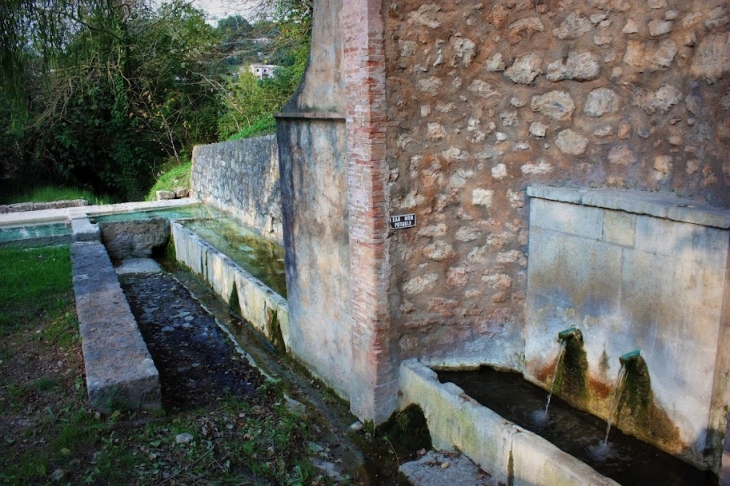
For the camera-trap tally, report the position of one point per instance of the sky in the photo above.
(219, 9)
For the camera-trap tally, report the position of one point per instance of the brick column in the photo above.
(373, 394)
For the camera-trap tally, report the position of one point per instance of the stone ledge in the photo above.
(119, 368)
(440, 469)
(502, 448)
(659, 205)
(84, 230)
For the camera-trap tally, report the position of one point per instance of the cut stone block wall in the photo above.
(486, 98)
(264, 309)
(650, 276)
(241, 178)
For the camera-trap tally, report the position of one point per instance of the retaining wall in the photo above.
(241, 178)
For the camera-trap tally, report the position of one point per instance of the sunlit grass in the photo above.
(50, 194)
(172, 176)
(35, 286)
(265, 126)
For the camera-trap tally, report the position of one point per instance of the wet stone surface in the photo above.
(197, 361)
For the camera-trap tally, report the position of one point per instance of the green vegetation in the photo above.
(49, 434)
(264, 126)
(35, 288)
(101, 94)
(171, 176)
(49, 194)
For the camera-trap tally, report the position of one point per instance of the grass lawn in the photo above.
(50, 435)
(49, 194)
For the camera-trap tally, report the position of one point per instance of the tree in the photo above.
(127, 88)
(286, 24)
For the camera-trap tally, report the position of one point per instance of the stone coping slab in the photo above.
(66, 214)
(37, 206)
(83, 230)
(119, 367)
(659, 205)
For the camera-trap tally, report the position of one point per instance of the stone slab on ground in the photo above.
(119, 368)
(445, 469)
(138, 265)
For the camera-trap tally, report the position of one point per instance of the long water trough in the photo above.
(245, 269)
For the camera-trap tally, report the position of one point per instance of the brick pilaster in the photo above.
(374, 383)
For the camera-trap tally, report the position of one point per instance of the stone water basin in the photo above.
(625, 459)
(510, 452)
(262, 258)
(181, 212)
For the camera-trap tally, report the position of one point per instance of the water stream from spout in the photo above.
(615, 398)
(540, 417)
(563, 343)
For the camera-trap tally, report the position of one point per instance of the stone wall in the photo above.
(485, 98)
(631, 271)
(241, 178)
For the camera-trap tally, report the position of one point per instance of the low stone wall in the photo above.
(264, 309)
(39, 206)
(512, 455)
(241, 178)
(119, 367)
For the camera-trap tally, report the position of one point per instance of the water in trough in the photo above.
(626, 459)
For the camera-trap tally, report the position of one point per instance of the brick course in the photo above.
(364, 67)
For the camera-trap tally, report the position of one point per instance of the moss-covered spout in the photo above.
(570, 333)
(630, 357)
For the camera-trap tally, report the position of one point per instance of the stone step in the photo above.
(445, 469)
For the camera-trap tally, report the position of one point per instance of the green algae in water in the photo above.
(182, 212)
(262, 258)
(34, 232)
(571, 378)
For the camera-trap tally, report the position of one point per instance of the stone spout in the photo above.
(630, 357)
(570, 333)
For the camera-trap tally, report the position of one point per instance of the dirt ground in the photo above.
(199, 363)
(242, 424)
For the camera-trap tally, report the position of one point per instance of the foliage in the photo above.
(249, 100)
(50, 193)
(171, 176)
(130, 87)
(264, 126)
(98, 94)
